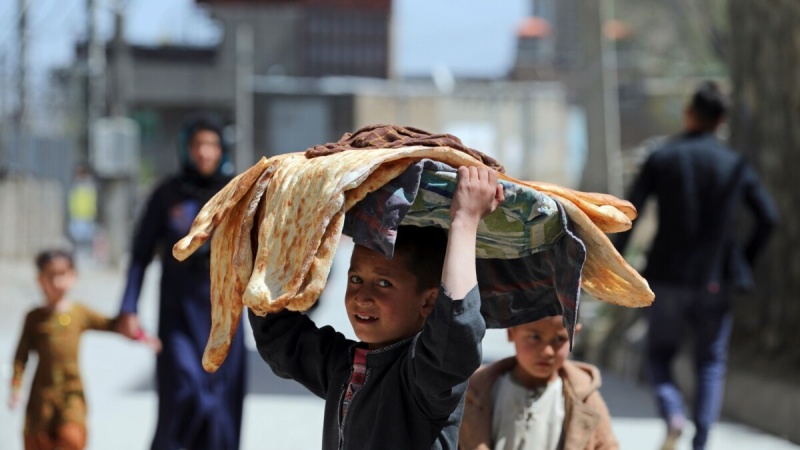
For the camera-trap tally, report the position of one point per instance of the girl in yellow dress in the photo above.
(56, 413)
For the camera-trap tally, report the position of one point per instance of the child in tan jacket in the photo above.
(537, 399)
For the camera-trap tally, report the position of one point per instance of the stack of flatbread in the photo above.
(276, 228)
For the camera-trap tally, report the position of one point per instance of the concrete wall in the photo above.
(762, 398)
(209, 79)
(523, 125)
(755, 394)
(31, 216)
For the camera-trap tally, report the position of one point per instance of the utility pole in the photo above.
(244, 97)
(95, 75)
(118, 191)
(611, 103)
(602, 172)
(21, 114)
(114, 138)
(2, 94)
(121, 65)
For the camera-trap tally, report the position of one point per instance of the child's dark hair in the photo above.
(44, 257)
(424, 248)
(708, 105)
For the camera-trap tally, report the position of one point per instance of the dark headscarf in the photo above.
(192, 182)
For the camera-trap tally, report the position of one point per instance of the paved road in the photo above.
(278, 414)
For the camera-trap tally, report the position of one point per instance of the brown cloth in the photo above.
(394, 136)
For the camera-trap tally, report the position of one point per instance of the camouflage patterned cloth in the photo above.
(393, 136)
(526, 223)
(529, 260)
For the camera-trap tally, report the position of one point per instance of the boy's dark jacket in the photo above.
(413, 395)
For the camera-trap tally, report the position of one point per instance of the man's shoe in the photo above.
(674, 431)
(673, 434)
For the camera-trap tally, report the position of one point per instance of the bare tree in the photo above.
(703, 22)
(677, 37)
(764, 67)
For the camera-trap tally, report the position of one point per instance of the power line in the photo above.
(11, 29)
(61, 18)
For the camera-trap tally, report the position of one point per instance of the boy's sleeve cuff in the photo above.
(471, 300)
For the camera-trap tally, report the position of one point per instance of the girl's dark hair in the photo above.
(424, 249)
(44, 257)
(708, 105)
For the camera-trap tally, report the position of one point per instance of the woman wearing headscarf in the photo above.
(196, 409)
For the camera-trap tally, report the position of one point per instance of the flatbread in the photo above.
(606, 275)
(274, 251)
(304, 196)
(212, 213)
(314, 283)
(232, 251)
(607, 212)
(594, 198)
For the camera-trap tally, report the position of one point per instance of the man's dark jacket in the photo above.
(699, 185)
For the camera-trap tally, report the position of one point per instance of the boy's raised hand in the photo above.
(477, 194)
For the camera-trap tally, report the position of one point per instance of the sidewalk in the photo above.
(279, 414)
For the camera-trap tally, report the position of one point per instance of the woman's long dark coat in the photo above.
(196, 410)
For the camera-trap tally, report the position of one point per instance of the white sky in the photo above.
(477, 40)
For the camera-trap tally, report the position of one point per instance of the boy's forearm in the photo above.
(447, 352)
(293, 347)
(459, 274)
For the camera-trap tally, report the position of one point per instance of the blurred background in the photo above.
(574, 92)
